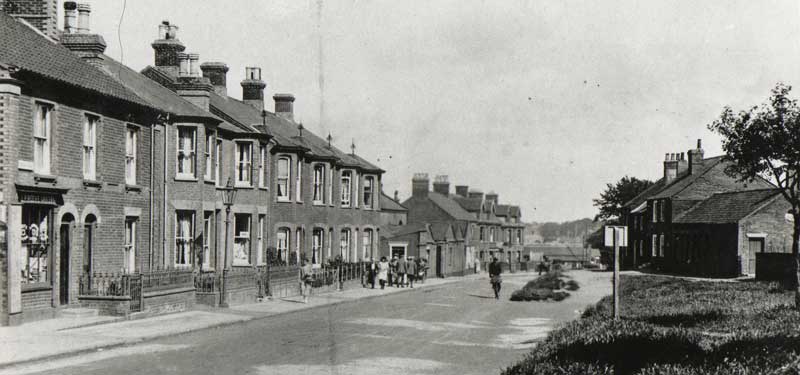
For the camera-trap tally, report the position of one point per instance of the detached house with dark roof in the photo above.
(665, 233)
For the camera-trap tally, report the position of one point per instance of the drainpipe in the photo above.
(152, 196)
(164, 206)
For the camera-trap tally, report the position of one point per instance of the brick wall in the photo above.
(42, 14)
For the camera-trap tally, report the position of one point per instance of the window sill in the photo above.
(299, 202)
(284, 200)
(318, 203)
(133, 188)
(242, 265)
(263, 188)
(243, 186)
(186, 178)
(36, 287)
(210, 182)
(92, 183)
(46, 178)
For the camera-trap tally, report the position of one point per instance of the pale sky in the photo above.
(543, 102)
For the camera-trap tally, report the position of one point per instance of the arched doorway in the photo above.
(65, 240)
(89, 226)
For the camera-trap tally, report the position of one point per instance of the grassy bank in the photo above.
(552, 285)
(675, 326)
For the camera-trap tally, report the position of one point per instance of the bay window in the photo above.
(186, 152)
(369, 181)
(184, 239)
(284, 171)
(319, 184)
(90, 147)
(131, 145)
(42, 128)
(244, 162)
(299, 183)
(345, 186)
(208, 175)
(262, 167)
(241, 239)
(35, 244)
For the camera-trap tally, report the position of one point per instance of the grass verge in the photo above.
(675, 326)
(547, 286)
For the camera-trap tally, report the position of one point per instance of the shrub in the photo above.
(560, 296)
(571, 285)
(542, 288)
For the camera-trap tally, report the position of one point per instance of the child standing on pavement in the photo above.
(383, 271)
(305, 279)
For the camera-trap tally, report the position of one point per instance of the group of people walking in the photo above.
(398, 272)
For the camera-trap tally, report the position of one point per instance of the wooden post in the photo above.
(616, 274)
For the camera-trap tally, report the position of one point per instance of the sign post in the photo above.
(616, 236)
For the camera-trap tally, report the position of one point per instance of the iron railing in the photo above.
(105, 284)
(167, 279)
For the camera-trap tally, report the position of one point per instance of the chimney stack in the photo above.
(217, 73)
(696, 158)
(462, 190)
(492, 197)
(79, 39)
(166, 48)
(397, 196)
(670, 167)
(475, 193)
(441, 185)
(253, 88)
(191, 86)
(419, 185)
(284, 106)
(42, 14)
(70, 17)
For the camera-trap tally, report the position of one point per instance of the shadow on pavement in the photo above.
(480, 296)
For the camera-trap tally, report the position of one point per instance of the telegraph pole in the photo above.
(616, 274)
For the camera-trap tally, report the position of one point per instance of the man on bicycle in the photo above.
(494, 277)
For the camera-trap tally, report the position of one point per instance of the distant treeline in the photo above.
(567, 232)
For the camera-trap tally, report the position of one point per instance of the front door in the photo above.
(439, 265)
(87, 248)
(63, 280)
(755, 245)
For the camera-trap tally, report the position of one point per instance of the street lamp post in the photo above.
(228, 197)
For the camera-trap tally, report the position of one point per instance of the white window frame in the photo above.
(185, 153)
(242, 237)
(298, 244)
(344, 243)
(346, 188)
(208, 229)
(90, 123)
(187, 240)
(331, 177)
(131, 154)
(319, 183)
(655, 211)
(262, 166)
(260, 240)
(209, 172)
(369, 188)
(299, 181)
(244, 163)
(661, 245)
(282, 243)
(283, 194)
(130, 245)
(317, 243)
(367, 243)
(42, 131)
(357, 189)
(654, 246)
(218, 163)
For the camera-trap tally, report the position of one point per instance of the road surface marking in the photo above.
(362, 366)
(439, 304)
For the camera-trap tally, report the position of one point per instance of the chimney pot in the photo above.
(167, 48)
(699, 143)
(419, 185)
(183, 61)
(70, 17)
(397, 196)
(284, 106)
(253, 87)
(441, 185)
(194, 65)
(84, 11)
(462, 190)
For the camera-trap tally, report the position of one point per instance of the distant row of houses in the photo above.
(456, 231)
(698, 220)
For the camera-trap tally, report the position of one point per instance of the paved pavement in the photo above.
(450, 326)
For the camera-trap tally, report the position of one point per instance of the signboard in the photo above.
(622, 233)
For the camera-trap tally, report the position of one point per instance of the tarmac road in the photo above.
(455, 329)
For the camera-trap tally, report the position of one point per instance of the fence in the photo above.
(105, 284)
(167, 279)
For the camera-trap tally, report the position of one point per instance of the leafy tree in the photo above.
(615, 195)
(764, 141)
(549, 231)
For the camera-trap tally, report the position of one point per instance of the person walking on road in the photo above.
(393, 271)
(494, 277)
(305, 279)
(411, 271)
(402, 267)
(383, 271)
(372, 271)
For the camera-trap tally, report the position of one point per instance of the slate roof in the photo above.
(502, 210)
(389, 204)
(469, 204)
(154, 93)
(450, 207)
(402, 230)
(724, 208)
(439, 231)
(24, 48)
(685, 179)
